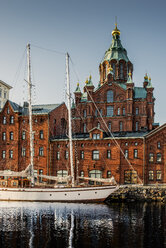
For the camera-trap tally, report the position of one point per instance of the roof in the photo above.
(139, 92)
(5, 84)
(44, 108)
(157, 129)
(15, 106)
(116, 50)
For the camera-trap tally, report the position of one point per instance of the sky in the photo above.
(83, 29)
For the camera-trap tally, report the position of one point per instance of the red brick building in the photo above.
(48, 120)
(114, 133)
(113, 126)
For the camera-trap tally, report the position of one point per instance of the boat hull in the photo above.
(77, 194)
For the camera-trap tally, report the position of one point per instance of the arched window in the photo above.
(110, 96)
(118, 112)
(84, 127)
(113, 67)
(120, 126)
(136, 126)
(151, 156)
(109, 126)
(121, 71)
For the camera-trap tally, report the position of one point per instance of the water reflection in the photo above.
(82, 225)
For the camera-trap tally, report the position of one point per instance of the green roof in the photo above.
(139, 92)
(116, 50)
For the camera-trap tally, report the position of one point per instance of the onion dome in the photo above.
(129, 80)
(149, 84)
(146, 78)
(78, 89)
(116, 50)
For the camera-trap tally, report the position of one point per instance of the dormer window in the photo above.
(96, 136)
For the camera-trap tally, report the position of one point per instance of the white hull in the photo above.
(77, 194)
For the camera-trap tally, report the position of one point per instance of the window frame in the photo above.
(95, 155)
(41, 151)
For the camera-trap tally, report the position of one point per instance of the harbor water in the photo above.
(62, 225)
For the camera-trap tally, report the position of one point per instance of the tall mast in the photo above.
(69, 117)
(30, 113)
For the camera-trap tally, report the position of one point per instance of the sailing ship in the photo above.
(69, 193)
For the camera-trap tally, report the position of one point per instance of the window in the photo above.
(0, 93)
(95, 155)
(81, 154)
(5, 94)
(58, 155)
(84, 112)
(151, 175)
(41, 134)
(3, 136)
(136, 126)
(159, 157)
(23, 152)
(108, 174)
(4, 120)
(135, 153)
(23, 135)
(118, 111)
(126, 153)
(113, 67)
(62, 173)
(96, 136)
(110, 111)
(10, 153)
(11, 136)
(66, 154)
(137, 111)
(130, 176)
(158, 145)
(84, 127)
(98, 125)
(96, 112)
(158, 175)
(11, 119)
(8, 110)
(109, 154)
(40, 174)
(81, 174)
(124, 112)
(110, 96)
(120, 126)
(95, 174)
(151, 157)
(41, 151)
(101, 112)
(3, 154)
(121, 71)
(109, 126)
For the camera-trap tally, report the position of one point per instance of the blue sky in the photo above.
(83, 28)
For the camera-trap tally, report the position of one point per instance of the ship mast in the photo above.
(69, 120)
(30, 114)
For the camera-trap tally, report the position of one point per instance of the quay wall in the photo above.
(139, 193)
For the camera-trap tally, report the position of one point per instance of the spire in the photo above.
(146, 78)
(149, 84)
(116, 31)
(78, 89)
(89, 82)
(129, 80)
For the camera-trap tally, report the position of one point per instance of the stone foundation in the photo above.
(138, 193)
